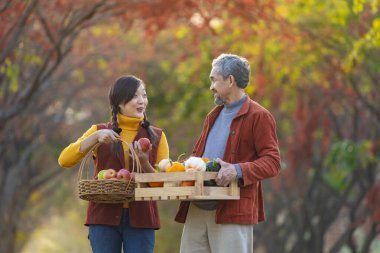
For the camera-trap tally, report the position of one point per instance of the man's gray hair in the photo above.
(237, 66)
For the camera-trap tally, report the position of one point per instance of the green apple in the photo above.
(101, 174)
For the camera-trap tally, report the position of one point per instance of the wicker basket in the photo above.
(106, 191)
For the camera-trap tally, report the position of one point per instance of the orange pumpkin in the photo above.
(176, 167)
(187, 183)
(205, 159)
(156, 184)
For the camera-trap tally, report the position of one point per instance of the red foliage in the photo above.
(8, 19)
(373, 202)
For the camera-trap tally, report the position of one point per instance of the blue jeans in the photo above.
(109, 239)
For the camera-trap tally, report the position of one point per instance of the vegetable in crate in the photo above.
(176, 167)
(195, 163)
(164, 164)
(156, 184)
(205, 159)
(211, 166)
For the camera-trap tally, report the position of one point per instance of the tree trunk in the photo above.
(9, 220)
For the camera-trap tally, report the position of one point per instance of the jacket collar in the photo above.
(217, 109)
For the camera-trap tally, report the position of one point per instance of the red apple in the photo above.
(110, 173)
(123, 174)
(145, 144)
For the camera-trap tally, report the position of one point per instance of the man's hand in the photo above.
(227, 173)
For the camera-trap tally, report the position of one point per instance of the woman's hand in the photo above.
(143, 157)
(101, 136)
(107, 136)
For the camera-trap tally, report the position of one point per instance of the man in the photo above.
(241, 135)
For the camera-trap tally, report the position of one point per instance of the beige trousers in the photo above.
(201, 234)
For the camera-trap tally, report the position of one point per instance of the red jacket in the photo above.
(142, 214)
(253, 144)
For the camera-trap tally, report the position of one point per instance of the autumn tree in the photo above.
(325, 81)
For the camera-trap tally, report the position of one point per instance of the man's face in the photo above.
(219, 87)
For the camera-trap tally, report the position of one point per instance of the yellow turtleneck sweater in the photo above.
(71, 155)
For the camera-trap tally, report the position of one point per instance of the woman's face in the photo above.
(135, 108)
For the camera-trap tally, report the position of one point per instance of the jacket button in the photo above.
(233, 132)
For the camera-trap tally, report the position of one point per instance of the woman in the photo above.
(129, 225)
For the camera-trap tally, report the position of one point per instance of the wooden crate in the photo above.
(172, 190)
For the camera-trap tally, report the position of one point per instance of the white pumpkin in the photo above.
(195, 163)
(164, 164)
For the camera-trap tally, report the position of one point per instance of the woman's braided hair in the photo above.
(151, 135)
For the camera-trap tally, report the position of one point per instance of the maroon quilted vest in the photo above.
(142, 214)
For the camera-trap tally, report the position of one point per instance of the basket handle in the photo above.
(136, 165)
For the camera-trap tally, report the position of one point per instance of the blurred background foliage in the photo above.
(315, 66)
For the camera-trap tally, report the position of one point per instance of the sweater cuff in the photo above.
(238, 171)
